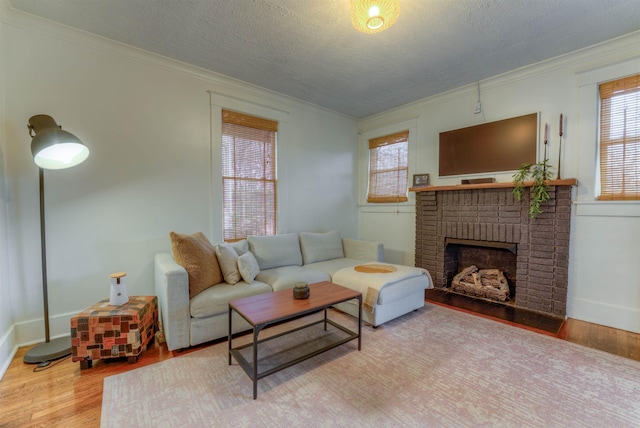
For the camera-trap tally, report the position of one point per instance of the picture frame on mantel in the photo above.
(420, 180)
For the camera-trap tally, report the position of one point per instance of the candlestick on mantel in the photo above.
(560, 147)
(546, 138)
(546, 133)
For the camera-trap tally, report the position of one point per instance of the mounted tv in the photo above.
(498, 146)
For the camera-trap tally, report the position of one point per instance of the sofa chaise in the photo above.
(263, 264)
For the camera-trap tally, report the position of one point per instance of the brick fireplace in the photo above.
(488, 215)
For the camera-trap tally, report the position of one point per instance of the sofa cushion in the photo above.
(276, 250)
(332, 266)
(318, 247)
(399, 291)
(404, 288)
(248, 267)
(215, 300)
(284, 277)
(228, 260)
(198, 257)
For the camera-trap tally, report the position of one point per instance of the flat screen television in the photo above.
(498, 146)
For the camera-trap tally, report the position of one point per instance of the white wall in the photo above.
(7, 348)
(151, 170)
(604, 280)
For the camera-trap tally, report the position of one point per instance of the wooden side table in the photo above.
(104, 331)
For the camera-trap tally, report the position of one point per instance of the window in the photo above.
(620, 139)
(389, 168)
(248, 175)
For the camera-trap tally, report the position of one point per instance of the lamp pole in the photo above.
(54, 349)
(43, 250)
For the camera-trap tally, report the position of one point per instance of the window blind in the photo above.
(620, 139)
(389, 168)
(248, 175)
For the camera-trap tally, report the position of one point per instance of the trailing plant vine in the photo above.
(539, 173)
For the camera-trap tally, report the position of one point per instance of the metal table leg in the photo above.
(256, 331)
(325, 319)
(230, 334)
(359, 322)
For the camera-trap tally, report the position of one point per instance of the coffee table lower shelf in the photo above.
(248, 366)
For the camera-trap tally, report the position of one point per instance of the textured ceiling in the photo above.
(308, 49)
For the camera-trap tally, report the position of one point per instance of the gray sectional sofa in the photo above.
(277, 262)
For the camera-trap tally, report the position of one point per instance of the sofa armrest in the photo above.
(363, 250)
(172, 289)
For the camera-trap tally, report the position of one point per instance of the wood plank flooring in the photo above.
(65, 396)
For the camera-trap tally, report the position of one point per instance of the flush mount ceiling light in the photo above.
(373, 16)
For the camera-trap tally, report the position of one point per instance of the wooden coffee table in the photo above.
(270, 308)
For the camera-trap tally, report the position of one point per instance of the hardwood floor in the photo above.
(62, 395)
(619, 342)
(65, 396)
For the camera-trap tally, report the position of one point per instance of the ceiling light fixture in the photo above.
(374, 16)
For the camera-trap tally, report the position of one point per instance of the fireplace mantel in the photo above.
(503, 185)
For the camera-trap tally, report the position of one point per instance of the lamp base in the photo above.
(49, 351)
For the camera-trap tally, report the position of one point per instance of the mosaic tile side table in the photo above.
(104, 331)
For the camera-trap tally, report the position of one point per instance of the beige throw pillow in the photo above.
(228, 260)
(196, 254)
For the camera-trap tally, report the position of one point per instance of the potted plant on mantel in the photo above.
(539, 173)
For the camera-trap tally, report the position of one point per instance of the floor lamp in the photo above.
(52, 148)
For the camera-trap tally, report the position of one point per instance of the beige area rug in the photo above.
(432, 367)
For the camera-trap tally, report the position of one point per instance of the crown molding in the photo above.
(591, 57)
(220, 83)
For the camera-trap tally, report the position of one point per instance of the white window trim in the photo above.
(588, 141)
(219, 102)
(363, 182)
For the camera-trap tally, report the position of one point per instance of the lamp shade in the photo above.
(374, 16)
(53, 148)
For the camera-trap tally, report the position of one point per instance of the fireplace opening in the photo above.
(482, 269)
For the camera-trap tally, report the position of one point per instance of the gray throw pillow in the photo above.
(240, 247)
(248, 267)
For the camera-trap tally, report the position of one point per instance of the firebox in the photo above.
(483, 269)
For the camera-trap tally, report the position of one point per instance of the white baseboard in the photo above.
(622, 318)
(32, 331)
(8, 349)
(29, 332)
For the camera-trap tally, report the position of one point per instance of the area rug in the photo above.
(432, 367)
